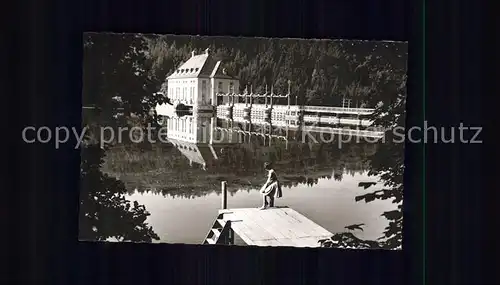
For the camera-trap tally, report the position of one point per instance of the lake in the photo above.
(329, 203)
(179, 181)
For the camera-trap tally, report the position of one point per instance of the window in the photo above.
(231, 87)
(220, 88)
(203, 91)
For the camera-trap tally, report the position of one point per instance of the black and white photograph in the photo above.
(240, 141)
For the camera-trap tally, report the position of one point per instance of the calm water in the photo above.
(329, 203)
(179, 182)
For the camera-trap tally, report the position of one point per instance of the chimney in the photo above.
(207, 50)
(192, 54)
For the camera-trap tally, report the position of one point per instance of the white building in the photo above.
(196, 82)
(196, 137)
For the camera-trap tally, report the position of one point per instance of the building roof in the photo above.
(220, 72)
(202, 65)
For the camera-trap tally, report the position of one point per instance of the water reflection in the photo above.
(205, 150)
(319, 179)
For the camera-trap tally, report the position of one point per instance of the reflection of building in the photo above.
(196, 82)
(197, 138)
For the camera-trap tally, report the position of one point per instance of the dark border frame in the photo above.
(47, 63)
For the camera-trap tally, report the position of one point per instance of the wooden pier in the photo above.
(276, 226)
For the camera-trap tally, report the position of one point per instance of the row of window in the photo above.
(182, 93)
(219, 87)
(230, 89)
(188, 93)
(185, 70)
(278, 117)
(181, 81)
(181, 125)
